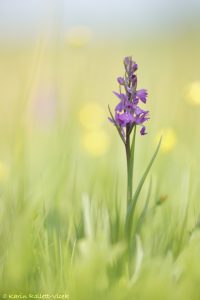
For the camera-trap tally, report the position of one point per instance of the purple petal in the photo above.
(129, 89)
(120, 106)
(121, 80)
(133, 68)
(127, 61)
(143, 131)
(129, 106)
(142, 95)
(135, 100)
(133, 79)
(124, 119)
(141, 118)
(139, 111)
(121, 96)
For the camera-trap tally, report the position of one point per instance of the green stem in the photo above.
(129, 170)
(130, 153)
(130, 163)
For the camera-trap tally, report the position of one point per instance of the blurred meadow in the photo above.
(63, 168)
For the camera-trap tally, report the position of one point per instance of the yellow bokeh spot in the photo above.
(96, 142)
(169, 139)
(92, 116)
(3, 171)
(79, 36)
(193, 93)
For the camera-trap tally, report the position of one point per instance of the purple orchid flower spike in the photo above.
(127, 112)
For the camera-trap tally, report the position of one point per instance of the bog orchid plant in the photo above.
(127, 117)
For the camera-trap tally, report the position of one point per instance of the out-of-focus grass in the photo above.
(62, 171)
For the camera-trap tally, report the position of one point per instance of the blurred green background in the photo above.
(62, 165)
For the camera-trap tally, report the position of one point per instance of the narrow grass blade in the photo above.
(139, 259)
(88, 226)
(131, 208)
(145, 208)
(184, 211)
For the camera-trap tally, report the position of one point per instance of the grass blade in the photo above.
(145, 208)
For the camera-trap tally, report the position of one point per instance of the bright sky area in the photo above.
(25, 18)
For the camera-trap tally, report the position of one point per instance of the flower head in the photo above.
(127, 112)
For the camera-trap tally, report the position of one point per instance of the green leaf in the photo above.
(145, 208)
(132, 205)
